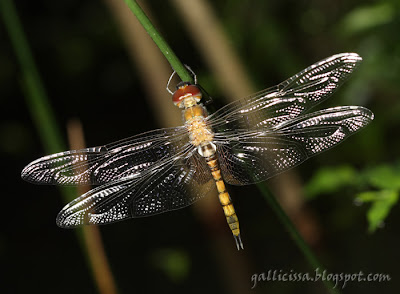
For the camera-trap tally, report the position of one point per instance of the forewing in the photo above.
(110, 162)
(251, 156)
(172, 185)
(289, 99)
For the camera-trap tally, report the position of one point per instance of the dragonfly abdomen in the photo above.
(225, 200)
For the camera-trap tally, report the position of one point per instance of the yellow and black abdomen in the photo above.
(225, 200)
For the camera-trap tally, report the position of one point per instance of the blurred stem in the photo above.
(36, 97)
(35, 94)
(176, 64)
(43, 116)
(294, 233)
(95, 253)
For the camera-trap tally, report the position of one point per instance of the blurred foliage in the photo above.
(330, 180)
(175, 264)
(364, 18)
(384, 178)
(381, 203)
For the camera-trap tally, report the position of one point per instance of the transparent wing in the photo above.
(289, 99)
(171, 185)
(110, 162)
(250, 156)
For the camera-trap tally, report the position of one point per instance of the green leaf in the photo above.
(384, 177)
(367, 17)
(382, 202)
(328, 180)
(174, 263)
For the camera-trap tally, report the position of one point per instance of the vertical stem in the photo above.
(159, 40)
(297, 238)
(46, 125)
(95, 252)
(35, 94)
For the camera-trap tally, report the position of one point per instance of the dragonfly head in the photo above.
(186, 91)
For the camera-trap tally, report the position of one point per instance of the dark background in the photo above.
(87, 75)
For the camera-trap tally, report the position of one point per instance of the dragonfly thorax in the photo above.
(194, 116)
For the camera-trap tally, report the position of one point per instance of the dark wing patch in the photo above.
(251, 156)
(99, 165)
(168, 186)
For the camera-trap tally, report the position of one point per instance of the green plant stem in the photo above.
(297, 238)
(176, 64)
(35, 94)
(37, 100)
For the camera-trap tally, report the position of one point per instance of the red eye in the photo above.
(178, 95)
(186, 91)
(192, 89)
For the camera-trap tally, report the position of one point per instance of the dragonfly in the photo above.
(242, 143)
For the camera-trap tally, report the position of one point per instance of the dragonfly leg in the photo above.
(173, 74)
